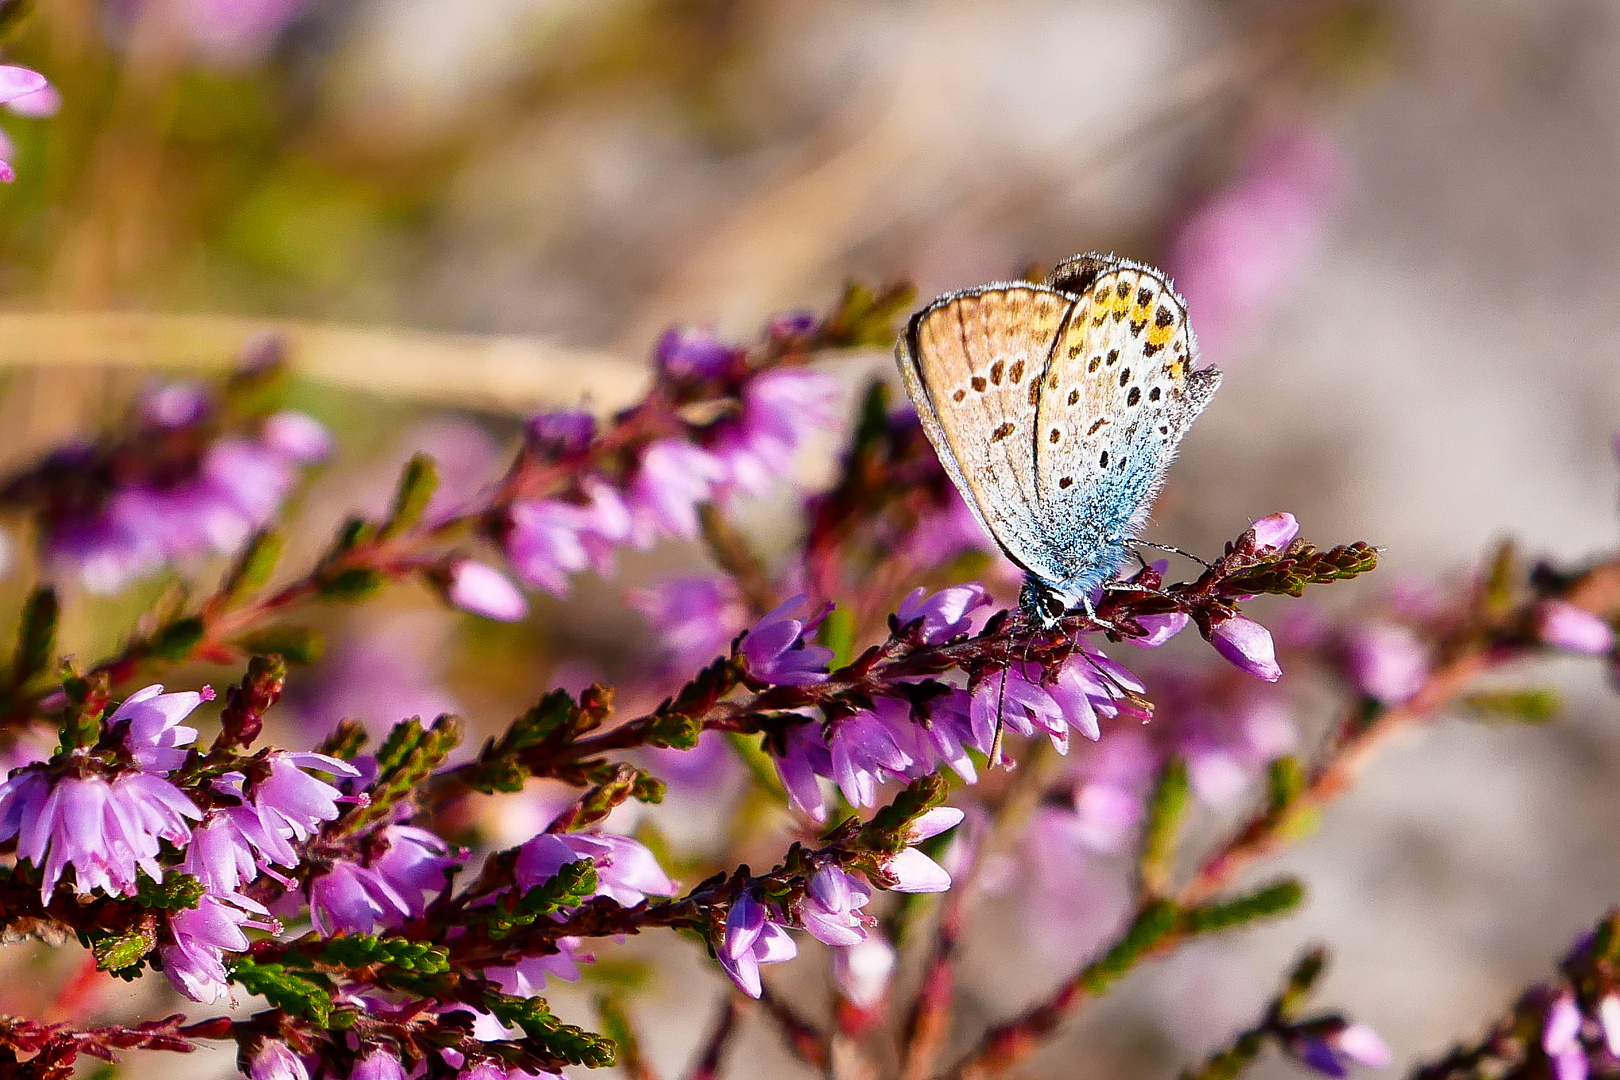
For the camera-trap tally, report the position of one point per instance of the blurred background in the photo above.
(1397, 225)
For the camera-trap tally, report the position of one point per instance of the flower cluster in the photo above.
(176, 488)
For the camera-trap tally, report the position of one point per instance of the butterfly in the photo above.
(1057, 408)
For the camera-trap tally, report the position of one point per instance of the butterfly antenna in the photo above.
(1173, 551)
(1001, 704)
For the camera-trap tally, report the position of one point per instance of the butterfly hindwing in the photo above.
(973, 363)
(1118, 396)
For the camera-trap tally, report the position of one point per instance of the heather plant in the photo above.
(332, 904)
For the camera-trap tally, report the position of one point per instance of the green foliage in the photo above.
(408, 757)
(556, 717)
(302, 994)
(886, 832)
(253, 569)
(1272, 900)
(569, 887)
(1530, 705)
(36, 637)
(547, 1034)
(1166, 809)
(417, 482)
(363, 950)
(1285, 782)
(346, 741)
(295, 644)
(1154, 923)
(175, 892)
(1299, 566)
(123, 952)
(867, 318)
(353, 584)
(87, 699)
(176, 640)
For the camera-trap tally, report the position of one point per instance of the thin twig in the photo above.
(801, 1036)
(707, 1066)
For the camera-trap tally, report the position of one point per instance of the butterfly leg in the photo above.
(1173, 551)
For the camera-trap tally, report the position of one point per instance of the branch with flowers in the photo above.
(859, 683)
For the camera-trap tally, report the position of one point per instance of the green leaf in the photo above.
(1156, 921)
(572, 1044)
(1285, 782)
(346, 741)
(294, 644)
(175, 641)
(305, 995)
(406, 759)
(175, 892)
(837, 633)
(1300, 566)
(417, 482)
(363, 950)
(1166, 809)
(1531, 705)
(126, 950)
(353, 585)
(36, 638)
(867, 318)
(1265, 903)
(254, 566)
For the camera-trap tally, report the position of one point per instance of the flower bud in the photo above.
(484, 591)
(1248, 645)
(1275, 531)
(1565, 626)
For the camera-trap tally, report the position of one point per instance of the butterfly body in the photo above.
(1057, 409)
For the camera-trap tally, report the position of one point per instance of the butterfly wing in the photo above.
(1117, 398)
(973, 363)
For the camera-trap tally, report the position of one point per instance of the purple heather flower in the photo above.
(694, 618)
(416, 866)
(776, 651)
(291, 799)
(1247, 645)
(945, 738)
(275, 1061)
(485, 591)
(1160, 629)
(805, 758)
(1021, 703)
(863, 971)
(945, 614)
(548, 539)
(236, 33)
(20, 89)
(1386, 662)
(831, 907)
(1275, 531)
(378, 1065)
(751, 940)
(779, 409)
(866, 745)
(1573, 629)
(174, 405)
(193, 962)
(396, 887)
(105, 831)
(154, 735)
(1561, 1038)
(1609, 1019)
(793, 324)
(225, 849)
(296, 436)
(673, 479)
(528, 976)
(693, 354)
(1332, 1047)
(556, 435)
(625, 870)
(911, 870)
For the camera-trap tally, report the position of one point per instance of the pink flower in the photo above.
(863, 971)
(154, 734)
(831, 908)
(483, 590)
(1573, 629)
(274, 1061)
(946, 613)
(751, 940)
(1386, 661)
(776, 649)
(626, 870)
(194, 962)
(1247, 645)
(1275, 531)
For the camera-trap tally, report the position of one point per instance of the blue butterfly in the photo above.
(1057, 409)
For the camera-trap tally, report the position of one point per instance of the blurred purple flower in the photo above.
(483, 590)
(695, 618)
(1609, 1019)
(626, 871)
(673, 479)
(296, 436)
(390, 669)
(23, 91)
(274, 1061)
(694, 354)
(548, 539)
(863, 971)
(193, 962)
(528, 976)
(776, 651)
(554, 436)
(750, 940)
(779, 409)
(946, 613)
(831, 908)
(1385, 661)
(1561, 1038)
(154, 735)
(1330, 1048)
(1235, 256)
(236, 33)
(1573, 629)
(105, 831)
(1247, 645)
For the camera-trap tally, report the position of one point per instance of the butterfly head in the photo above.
(1044, 604)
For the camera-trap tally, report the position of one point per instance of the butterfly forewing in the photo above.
(973, 363)
(1118, 397)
